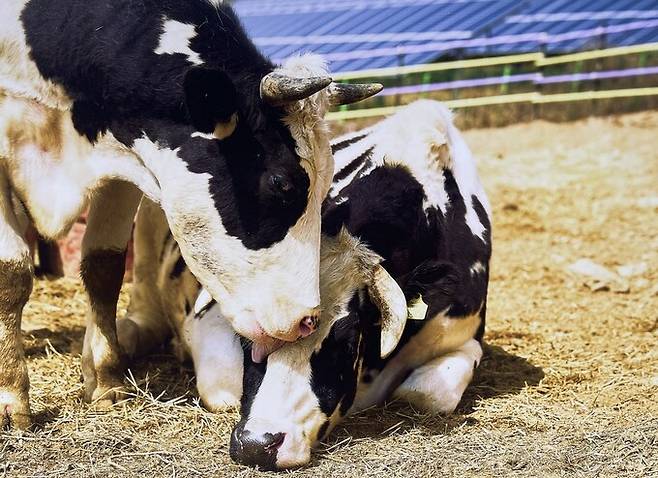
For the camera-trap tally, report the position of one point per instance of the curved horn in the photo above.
(390, 300)
(277, 89)
(346, 93)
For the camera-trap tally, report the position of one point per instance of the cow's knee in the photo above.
(438, 386)
(15, 288)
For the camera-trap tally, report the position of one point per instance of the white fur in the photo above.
(438, 385)
(477, 268)
(19, 76)
(422, 137)
(217, 356)
(440, 335)
(175, 38)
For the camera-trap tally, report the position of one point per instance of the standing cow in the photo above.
(103, 101)
(406, 233)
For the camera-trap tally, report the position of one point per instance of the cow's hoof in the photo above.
(102, 398)
(220, 401)
(14, 412)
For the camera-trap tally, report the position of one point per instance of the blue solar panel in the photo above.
(363, 34)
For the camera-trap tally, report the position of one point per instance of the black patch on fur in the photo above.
(199, 315)
(188, 307)
(210, 97)
(322, 432)
(251, 379)
(351, 167)
(334, 377)
(178, 269)
(103, 55)
(335, 147)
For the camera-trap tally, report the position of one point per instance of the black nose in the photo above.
(255, 449)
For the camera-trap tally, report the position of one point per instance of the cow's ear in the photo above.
(389, 298)
(211, 101)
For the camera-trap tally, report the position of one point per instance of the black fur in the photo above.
(335, 147)
(102, 54)
(334, 377)
(351, 167)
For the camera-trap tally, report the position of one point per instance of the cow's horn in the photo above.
(346, 93)
(389, 298)
(277, 89)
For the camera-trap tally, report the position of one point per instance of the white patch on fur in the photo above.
(217, 356)
(54, 170)
(175, 38)
(440, 335)
(477, 268)
(19, 76)
(465, 172)
(199, 134)
(438, 385)
(202, 301)
(422, 137)
(346, 155)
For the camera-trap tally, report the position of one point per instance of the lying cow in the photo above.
(103, 101)
(406, 234)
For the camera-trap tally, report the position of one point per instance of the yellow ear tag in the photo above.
(418, 309)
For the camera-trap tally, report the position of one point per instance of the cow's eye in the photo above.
(281, 186)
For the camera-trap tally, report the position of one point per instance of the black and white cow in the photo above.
(406, 234)
(101, 102)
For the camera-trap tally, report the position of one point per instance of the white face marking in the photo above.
(175, 38)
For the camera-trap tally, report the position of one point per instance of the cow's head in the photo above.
(242, 188)
(305, 388)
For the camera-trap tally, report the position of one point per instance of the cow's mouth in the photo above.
(263, 347)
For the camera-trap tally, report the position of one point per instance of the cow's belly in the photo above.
(44, 158)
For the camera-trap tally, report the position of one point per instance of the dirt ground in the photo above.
(568, 386)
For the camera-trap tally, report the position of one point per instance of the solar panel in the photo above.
(363, 34)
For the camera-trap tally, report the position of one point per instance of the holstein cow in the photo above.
(406, 234)
(103, 101)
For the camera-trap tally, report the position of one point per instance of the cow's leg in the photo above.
(218, 359)
(109, 225)
(146, 327)
(438, 386)
(15, 288)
